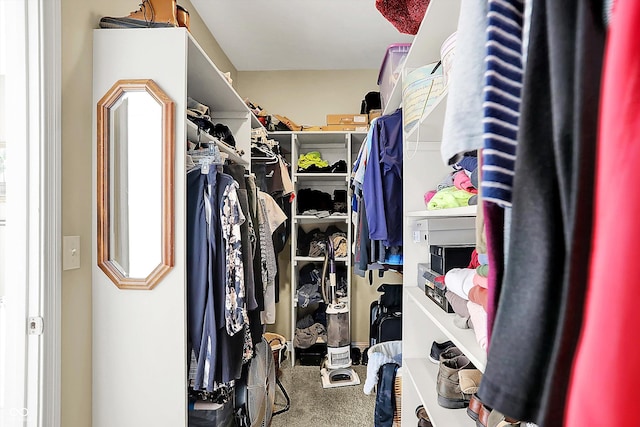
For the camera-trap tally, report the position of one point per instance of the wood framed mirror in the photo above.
(136, 127)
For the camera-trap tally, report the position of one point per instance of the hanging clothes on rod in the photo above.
(273, 177)
(231, 267)
(216, 333)
(376, 183)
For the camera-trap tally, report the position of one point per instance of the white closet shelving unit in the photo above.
(140, 337)
(333, 146)
(423, 321)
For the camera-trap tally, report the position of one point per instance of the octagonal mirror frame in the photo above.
(104, 192)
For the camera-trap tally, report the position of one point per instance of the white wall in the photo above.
(3, 215)
(306, 97)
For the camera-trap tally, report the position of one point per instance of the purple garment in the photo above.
(494, 226)
(382, 186)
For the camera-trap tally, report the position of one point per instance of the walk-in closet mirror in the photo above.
(135, 183)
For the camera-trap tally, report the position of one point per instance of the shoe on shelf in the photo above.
(437, 348)
(152, 14)
(450, 394)
(450, 353)
(423, 418)
(497, 419)
(473, 410)
(183, 18)
(469, 380)
(483, 416)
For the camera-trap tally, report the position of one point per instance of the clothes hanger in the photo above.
(266, 160)
(205, 158)
(269, 158)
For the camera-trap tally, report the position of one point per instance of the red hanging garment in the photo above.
(606, 370)
(405, 15)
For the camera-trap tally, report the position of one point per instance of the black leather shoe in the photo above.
(423, 418)
(437, 349)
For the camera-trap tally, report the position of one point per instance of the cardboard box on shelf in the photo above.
(373, 114)
(311, 128)
(345, 128)
(287, 121)
(347, 119)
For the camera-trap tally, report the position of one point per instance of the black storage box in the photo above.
(428, 276)
(222, 417)
(437, 295)
(313, 355)
(444, 258)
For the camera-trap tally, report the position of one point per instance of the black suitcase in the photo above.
(390, 327)
(385, 323)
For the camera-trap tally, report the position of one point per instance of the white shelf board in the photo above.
(280, 132)
(313, 218)
(431, 123)
(216, 92)
(281, 137)
(336, 139)
(464, 339)
(317, 259)
(444, 213)
(395, 100)
(302, 132)
(440, 21)
(423, 374)
(325, 176)
(232, 154)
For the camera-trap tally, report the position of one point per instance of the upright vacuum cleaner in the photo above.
(336, 369)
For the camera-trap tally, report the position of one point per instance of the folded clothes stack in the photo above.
(314, 243)
(459, 188)
(312, 162)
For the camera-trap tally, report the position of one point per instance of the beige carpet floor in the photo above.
(313, 406)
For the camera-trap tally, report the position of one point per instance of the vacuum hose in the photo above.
(330, 265)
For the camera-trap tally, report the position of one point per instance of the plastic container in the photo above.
(447, 52)
(390, 69)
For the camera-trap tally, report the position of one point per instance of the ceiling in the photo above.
(300, 34)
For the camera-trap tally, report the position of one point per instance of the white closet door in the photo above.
(139, 336)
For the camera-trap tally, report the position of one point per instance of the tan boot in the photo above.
(152, 14)
(182, 15)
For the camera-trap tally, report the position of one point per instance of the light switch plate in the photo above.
(70, 252)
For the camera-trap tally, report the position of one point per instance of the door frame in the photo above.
(40, 370)
(51, 123)
(36, 288)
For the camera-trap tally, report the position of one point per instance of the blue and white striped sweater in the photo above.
(502, 97)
